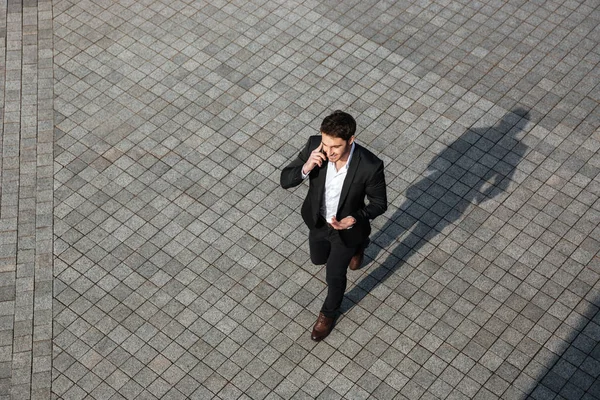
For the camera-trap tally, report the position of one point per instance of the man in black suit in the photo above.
(341, 175)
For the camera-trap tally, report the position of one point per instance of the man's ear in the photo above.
(351, 140)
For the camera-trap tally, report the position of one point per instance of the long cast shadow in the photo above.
(479, 165)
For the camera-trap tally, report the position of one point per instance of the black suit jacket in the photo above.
(365, 179)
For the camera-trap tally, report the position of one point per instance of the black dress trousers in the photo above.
(326, 247)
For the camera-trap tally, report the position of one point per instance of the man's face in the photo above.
(335, 148)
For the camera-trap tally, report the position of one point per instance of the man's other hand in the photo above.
(345, 223)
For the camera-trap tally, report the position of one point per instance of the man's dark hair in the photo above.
(339, 125)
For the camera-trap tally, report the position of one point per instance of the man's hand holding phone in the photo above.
(317, 157)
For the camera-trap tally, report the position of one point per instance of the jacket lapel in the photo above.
(354, 162)
(320, 182)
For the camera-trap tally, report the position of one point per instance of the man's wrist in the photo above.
(353, 223)
(304, 174)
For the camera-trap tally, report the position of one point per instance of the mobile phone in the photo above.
(323, 152)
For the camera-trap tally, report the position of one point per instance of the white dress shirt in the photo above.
(333, 188)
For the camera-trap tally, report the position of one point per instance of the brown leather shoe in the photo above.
(357, 259)
(322, 328)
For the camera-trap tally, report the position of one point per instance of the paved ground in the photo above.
(147, 250)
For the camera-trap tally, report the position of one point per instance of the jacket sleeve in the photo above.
(291, 175)
(375, 190)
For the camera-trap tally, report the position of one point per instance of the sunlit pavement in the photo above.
(147, 250)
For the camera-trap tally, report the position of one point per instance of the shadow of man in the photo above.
(477, 166)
